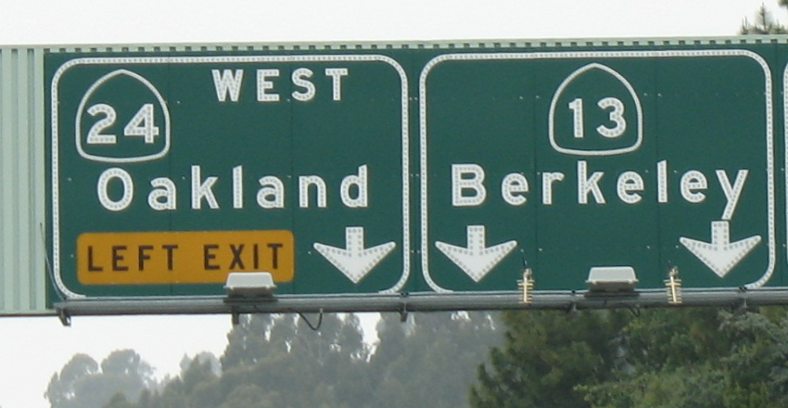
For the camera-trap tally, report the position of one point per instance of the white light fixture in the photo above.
(250, 284)
(611, 279)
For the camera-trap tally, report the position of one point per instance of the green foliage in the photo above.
(429, 359)
(251, 396)
(81, 384)
(663, 358)
(335, 368)
(764, 22)
(278, 361)
(119, 401)
(64, 387)
(545, 355)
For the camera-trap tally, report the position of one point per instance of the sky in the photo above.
(32, 349)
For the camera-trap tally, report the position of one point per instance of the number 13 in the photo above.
(616, 116)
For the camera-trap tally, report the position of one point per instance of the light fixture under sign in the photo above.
(611, 280)
(250, 284)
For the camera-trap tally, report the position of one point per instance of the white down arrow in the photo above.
(354, 260)
(721, 255)
(476, 260)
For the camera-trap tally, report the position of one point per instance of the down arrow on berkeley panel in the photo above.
(476, 260)
(721, 255)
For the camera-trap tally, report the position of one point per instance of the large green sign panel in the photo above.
(167, 173)
(574, 160)
(368, 170)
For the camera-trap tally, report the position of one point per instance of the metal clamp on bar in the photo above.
(65, 318)
(526, 285)
(673, 286)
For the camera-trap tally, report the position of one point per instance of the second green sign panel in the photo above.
(566, 161)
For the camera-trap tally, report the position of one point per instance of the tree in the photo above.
(81, 384)
(276, 361)
(700, 357)
(431, 358)
(252, 396)
(246, 341)
(546, 354)
(203, 357)
(666, 359)
(119, 401)
(725, 360)
(273, 361)
(65, 387)
(126, 370)
(764, 22)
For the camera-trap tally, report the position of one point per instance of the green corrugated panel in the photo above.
(22, 196)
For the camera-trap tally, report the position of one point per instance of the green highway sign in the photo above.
(645, 159)
(415, 168)
(169, 172)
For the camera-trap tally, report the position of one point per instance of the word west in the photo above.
(229, 83)
(469, 188)
(163, 191)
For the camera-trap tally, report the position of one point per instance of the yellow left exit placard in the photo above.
(194, 257)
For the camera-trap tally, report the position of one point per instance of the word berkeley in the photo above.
(469, 188)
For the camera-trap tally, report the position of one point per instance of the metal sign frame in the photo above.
(417, 289)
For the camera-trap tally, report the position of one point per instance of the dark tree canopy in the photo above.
(663, 358)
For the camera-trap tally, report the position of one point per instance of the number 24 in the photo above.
(141, 125)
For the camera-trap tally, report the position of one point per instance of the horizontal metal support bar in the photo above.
(421, 302)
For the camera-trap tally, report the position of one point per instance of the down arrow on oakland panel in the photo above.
(721, 255)
(354, 260)
(476, 260)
